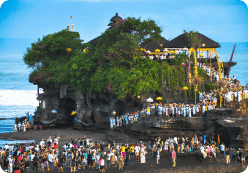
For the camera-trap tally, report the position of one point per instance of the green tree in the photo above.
(50, 56)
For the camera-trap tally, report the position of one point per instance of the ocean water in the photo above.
(240, 56)
(18, 96)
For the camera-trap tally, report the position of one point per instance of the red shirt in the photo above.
(55, 146)
(19, 158)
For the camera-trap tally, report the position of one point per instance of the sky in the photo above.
(220, 20)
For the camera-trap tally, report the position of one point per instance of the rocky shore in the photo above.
(186, 162)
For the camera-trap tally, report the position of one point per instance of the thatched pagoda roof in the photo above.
(181, 42)
(154, 45)
(115, 18)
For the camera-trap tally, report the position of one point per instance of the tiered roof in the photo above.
(113, 22)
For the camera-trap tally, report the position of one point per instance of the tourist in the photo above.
(157, 155)
(187, 144)
(166, 145)
(243, 155)
(120, 162)
(46, 164)
(102, 163)
(171, 144)
(19, 126)
(128, 154)
(137, 152)
(15, 127)
(60, 163)
(182, 143)
(84, 161)
(73, 162)
(142, 155)
(228, 153)
(175, 143)
(202, 149)
(173, 158)
(233, 154)
(222, 148)
(35, 162)
(50, 160)
(10, 164)
(89, 160)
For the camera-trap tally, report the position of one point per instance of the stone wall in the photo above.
(233, 131)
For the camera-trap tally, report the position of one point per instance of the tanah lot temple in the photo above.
(57, 104)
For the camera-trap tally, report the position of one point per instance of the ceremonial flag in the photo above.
(218, 139)
(234, 49)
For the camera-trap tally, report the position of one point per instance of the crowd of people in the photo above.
(168, 110)
(84, 153)
(22, 127)
(206, 101)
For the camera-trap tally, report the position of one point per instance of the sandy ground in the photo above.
(185, 162)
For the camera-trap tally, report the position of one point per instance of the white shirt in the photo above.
(137, 149)
(102, 162)
(50, 157)
(56, 140)
(175, 140)
(42, 142)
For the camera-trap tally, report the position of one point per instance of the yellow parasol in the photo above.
(68, 49)
(185, 88)
(73, 113)
(157, 51)
(159, 98)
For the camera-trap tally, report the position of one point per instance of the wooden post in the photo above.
(38, 90)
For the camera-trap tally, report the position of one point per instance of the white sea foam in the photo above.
(18, 97)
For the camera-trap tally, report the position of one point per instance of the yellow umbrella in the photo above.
(159, 98)
(202, 55)
(73, 113)
(157, 51)
(185, 88)
(85, 50)
(68, 49)
(172, 51)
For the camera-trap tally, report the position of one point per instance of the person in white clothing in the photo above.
(10, 166)
(6, 146)
(56, 140)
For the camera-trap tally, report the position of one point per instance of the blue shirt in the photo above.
(69, 156)
(85, 155)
